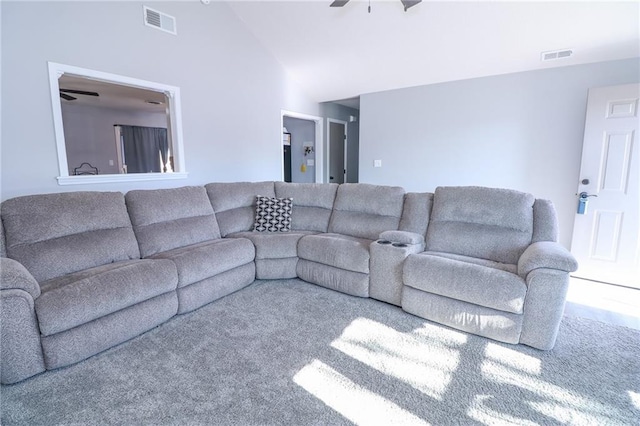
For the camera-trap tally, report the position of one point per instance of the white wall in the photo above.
(522, 131)
(90, 137)
(232, 89)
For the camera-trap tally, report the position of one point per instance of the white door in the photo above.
(606, 238)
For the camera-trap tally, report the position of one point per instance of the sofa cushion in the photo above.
(204, 260)
(487, 223)
(165, 219)
(415, 212)
(276, 269)
(312, 203)
(235, 203)
(272, 214)
(274, 245)
(478, 284)
(469, 317)
(56, 234)
(3, 246)
(483, 262)
(364, 211)
(545, 221)
(78, 343)
(78, 298)
(210, 289)
(339, 279)
(339, 251)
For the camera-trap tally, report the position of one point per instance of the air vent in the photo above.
(555, 54)
(159, 20)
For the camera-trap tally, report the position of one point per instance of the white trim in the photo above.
(118, 141)
(344, 166)
(319, 164)
(133, 177)
(56, 70)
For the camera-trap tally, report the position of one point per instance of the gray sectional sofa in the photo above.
(84, 271)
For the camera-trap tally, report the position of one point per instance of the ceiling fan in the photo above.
(63, 94)
(406, 3)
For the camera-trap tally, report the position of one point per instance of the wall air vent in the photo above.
(159, 20)
(555, 54)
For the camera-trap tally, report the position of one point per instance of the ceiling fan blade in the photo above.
(67, 97)
(409, 3)
(79, 92)
(338, 3)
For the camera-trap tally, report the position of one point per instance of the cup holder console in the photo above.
(387, 242)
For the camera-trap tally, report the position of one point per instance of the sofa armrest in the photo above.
(402, 237)
(15, 276)
(546, 254)
(20, 347)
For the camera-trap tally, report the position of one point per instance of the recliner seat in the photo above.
(469, 276)
(339, 259)
(180, 225)
(95, 291)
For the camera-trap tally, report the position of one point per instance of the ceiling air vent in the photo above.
(555, 54)
(159, 20)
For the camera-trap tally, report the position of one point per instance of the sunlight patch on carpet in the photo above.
(512, 358)
(481, 411)
(352, 401)
(549, 399)
(430, 332)
(399, 355)
(635, 399)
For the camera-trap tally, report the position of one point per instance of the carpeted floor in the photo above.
(288, 352)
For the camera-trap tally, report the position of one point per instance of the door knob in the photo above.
(584, 195)
(582, 202)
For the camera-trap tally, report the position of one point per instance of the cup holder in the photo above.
(399, 244)
(383, 242)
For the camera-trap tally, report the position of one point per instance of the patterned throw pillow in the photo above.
(273, 214)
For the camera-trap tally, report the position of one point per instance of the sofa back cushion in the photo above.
(57, 234)
(545, 221)
(364, 211)
(164, 219)
(416, 212)
(3, 250)
(234, 203)
(312, 204)
(487, 223)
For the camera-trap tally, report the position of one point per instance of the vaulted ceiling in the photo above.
(338, 53)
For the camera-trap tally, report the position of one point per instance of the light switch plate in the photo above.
(377, 163)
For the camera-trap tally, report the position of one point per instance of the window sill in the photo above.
(133, 177)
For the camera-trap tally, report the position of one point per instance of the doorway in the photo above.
(337, 150)
(301, 148)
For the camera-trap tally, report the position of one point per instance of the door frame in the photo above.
(328, 166)
(319, 163)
